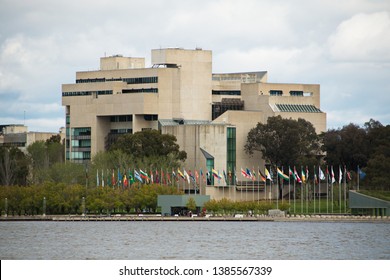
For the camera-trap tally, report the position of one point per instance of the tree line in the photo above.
(42, 171)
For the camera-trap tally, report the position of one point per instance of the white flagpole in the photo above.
(258, 185)
(289, 187)
(294, 193)
(277, 187)
(345, 189)
(340, 189)
(327, 190)
(314, 189)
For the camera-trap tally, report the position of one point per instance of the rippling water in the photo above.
(194, 240)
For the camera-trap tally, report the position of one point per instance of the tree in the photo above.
(13, 166)
(283, 142)
(151, 147)
(347, 146)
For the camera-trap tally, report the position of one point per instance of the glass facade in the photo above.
(78, 145)
(210, 166)
(231, 154)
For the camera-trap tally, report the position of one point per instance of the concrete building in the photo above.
(17, 135)
(210, 114)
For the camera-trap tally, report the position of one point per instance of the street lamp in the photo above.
(44, 206)
(83, 206)
(6, 207)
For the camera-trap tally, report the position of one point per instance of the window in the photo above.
(209, 167)
(231, 154)
(121, 118)
(141, 80)
(81, 131)
(276, 92)
(140, 90)
(226, 92)
(296, 93)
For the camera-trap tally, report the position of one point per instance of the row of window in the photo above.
(226, 92)
(84, 93)
(138, 80)
(121, 118)
(78, 155)
(292, 93)
(140, 90)
(82, 143)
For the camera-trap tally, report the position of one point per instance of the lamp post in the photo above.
(83, 206)
(6, 207)
(44, 207)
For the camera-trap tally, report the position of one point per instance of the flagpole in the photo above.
(314, 189)
(258, 186)
(345, 189)
(327, 190)
(358, 175)
(289, 187)
(294, 193)
(340, 189)
(277, 187)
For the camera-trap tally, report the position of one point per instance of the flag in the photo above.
(197, 176)
(125, 182)
(224, 176)
(297, 178)
(180, 174)
(244, 173)
(137, 176)
(186, 176)
(119, 181)
(361, 174)
(340, 175)
(151, 177)
(349, 176)
(144, 175)
(268, 174)
(332, 174)
(192, 177)
(102, 179)
(216, 174)
(303, 176)
(307, 173)
(250, 175)
(282, 175)
(322, 175)
(113, 178)
(262, 177)
(131, 179)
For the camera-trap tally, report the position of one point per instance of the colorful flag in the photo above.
(303, 176)
(144, 175)
(297, 178)
(282, 175)
(244, 174)
(250, 176)
(125, 183)
(180, 174)
(216, 174)
(137, 176)
(262, 177)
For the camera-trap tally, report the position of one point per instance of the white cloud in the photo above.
(363, 37)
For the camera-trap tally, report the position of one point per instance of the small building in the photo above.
(362, 204)
(177, 204)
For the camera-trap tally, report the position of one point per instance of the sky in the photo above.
(342, 45)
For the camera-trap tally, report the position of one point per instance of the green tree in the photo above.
(283, 142)
(347, 146)
(191, 204)
(13, 166)
(151, 147)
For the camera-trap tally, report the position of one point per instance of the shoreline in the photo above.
(155, 218)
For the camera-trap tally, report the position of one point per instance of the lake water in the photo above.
(194, 240)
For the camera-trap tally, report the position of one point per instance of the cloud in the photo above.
(363, 37)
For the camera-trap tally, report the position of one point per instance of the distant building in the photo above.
(210, 114)
(17, 135)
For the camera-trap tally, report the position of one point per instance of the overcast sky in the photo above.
(342, 45)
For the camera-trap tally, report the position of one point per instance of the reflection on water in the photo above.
(194, 240)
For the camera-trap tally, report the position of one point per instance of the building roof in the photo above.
(299, 108)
